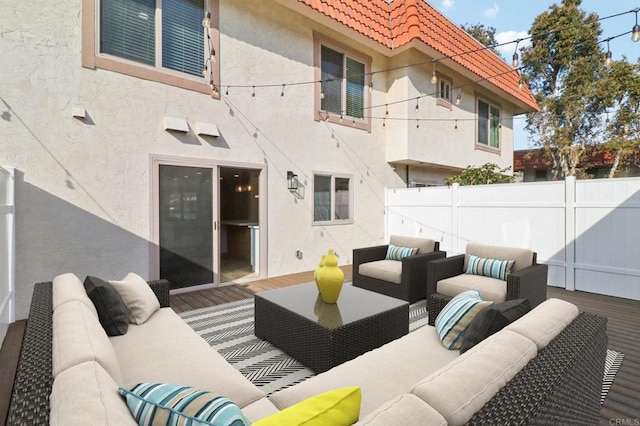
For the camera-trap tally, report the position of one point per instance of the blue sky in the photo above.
(513, 18)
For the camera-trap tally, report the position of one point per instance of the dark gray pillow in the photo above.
(112, 311)
(492, 319)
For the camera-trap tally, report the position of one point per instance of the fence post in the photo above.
(570, 232)
(454, 218)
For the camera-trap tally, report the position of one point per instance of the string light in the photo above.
(322, 93)
(635, 32)
(386, 112)
(458, 97)
(206, 21)
(417, 105)
(282, 93)
(434, 77)
(384, 122)
(609, 57)
(253, 94)
(227, 92)
(371, 84)
(456, 125)
(515, 61)
(417, 123)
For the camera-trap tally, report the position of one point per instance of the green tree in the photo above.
(563, 66)
(620, 91)
(485, 35)
(486, 174)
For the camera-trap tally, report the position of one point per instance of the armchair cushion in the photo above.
(399, 252)
(490, 288)
(522, 257)
(489, 267)
(386, 270)
(424, 245)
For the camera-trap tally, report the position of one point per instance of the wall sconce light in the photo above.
(292, 181)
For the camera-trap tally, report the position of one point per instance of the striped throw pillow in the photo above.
(166, 404)
(455, 317)
(489, 267)
(399, 252)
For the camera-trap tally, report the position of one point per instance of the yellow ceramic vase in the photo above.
(330, 278)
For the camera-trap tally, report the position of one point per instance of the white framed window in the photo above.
(158, 40)
(488, 125)
(332, 198)
(444, 90)
(343, 75)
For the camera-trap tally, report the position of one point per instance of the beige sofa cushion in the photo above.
(382, 374)
(166, 350)
(490, 288)
(78, 337)
(67, 287)
(463, 386)
(545, 321)
(523, 257)
(138, 296)
(86, 392)
(424, 244)
(386, 270)
(406, 410)
(259, 409)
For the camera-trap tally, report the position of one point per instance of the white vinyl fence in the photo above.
(587, 231)
(7, 250)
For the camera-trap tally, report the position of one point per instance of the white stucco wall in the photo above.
(83, 188)
(84, 191)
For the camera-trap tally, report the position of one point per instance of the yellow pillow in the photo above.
(333, 408)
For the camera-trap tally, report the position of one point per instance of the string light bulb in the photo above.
(371, 84)
(384, 123)
(282, 93)
(253, 94)
(607, 122)
(417, 106)
(434, 77)
(322, 93)
(515, 61)
(458, 98)
(206, 21)
(635, 32)
(455, 127)
(520, 84)
(386, 112)
(417, 124)
(609, 58)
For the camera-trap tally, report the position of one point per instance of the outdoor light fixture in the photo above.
(208, 64)
(609, 58)
(434, 77)
(515, 60)
(635, 32)
(292, 181)
(459, 97)
(206, 21)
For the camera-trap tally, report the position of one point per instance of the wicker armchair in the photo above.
(405, 279)
(527, 281)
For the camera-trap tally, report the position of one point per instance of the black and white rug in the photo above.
(228, 328)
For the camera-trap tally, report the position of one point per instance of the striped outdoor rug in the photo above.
(228, 328)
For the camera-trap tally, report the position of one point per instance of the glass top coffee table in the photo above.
(322, 335)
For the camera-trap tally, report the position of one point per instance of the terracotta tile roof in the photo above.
(400, 22)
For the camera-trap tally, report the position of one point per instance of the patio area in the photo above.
(622, 404)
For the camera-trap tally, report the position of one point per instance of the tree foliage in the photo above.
(563, 66)
(620, 91)
(486, 174)
(485, 35)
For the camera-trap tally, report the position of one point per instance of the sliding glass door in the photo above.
(186, 225)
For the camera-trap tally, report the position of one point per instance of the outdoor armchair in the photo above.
(448, 277)
(403, 279)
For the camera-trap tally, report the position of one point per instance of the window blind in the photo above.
(355, 88)
(183, 36)
(127, 29)
(331, 67)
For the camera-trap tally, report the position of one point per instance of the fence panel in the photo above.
(586, 231)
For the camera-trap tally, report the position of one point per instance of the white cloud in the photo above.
(446, 4)
(492, 11)
(507, 50)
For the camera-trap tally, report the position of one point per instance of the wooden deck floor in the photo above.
(622, 406)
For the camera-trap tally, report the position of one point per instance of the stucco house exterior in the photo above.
(144, 142)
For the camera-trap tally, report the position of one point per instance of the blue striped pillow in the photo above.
(166, 404)
(489, 267)
(399, 252)
(454, 319)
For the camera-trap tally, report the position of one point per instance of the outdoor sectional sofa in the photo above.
(545, 368)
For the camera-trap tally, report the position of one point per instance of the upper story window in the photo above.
(332, 199)
(160, 40)
(488, 125)
(343, 73)
(443, 92)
